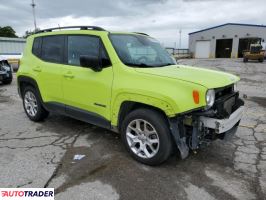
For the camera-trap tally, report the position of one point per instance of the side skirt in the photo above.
(79, 114)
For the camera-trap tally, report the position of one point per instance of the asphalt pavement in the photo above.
(42, 154)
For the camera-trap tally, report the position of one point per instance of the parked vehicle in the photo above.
(5, 71)
(255, 53)
(106, 79)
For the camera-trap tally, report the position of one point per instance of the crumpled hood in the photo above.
(205, 77)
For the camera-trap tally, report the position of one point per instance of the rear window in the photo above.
(53, 48)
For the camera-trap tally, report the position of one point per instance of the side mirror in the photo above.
(90, 61)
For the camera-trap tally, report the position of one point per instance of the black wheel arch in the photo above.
(128, 106)
(24, 81)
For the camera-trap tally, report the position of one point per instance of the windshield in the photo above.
(140, 51)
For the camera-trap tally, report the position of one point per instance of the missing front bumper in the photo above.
(223, 125)
(199, 129)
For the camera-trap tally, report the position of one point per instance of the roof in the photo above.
(12, 39)
(89, 32)
(85, 28)
(237, 24)
(96, 28)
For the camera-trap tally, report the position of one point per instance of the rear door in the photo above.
(47, 67)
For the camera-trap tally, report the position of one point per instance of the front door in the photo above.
(86, 92)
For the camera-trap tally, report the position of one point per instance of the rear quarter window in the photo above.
(36, 47)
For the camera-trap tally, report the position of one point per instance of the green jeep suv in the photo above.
(128, 83)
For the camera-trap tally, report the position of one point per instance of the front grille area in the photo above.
(227, 101)
(220, 92)
(224, 105)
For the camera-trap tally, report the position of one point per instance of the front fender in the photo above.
(162, 103)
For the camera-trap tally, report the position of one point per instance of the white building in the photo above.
(226, 40)
(12, 47)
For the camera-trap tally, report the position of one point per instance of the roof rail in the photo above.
(141, 33)
(96, 28)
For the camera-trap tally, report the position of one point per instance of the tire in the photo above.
(142, 145)
(31, 99)
(261, 60)
(7, 82)
(245, 59)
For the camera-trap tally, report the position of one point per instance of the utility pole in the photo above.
(180, 33)
(33, 12)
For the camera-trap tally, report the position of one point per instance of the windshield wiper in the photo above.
(165, 64)
(138, 65)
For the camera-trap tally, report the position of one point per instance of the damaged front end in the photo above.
(197, 129)
(5, 70)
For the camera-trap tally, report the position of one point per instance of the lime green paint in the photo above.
(205, 77)
(168, 88)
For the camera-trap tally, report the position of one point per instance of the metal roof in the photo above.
(237, 24)
(12, 39)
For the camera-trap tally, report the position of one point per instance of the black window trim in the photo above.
(65, 48)
(40, 56)
(40, 46)
(45, 36)
(101, 46)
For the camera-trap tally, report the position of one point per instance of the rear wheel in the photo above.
(146, 136)
(32, 105)
(6, 82)
(261, 60)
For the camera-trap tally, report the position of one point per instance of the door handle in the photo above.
(37, 69)
(68, 75)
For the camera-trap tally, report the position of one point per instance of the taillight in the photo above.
(196, 96)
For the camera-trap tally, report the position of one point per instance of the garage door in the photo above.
(202, 49)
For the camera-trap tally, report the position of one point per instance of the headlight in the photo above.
(210, 98)
(6, 68)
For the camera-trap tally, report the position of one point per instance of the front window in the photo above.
(140, 51)
(79, 45)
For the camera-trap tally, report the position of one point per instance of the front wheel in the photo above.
(146, 136)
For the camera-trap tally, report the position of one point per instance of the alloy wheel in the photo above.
(142, 138)
(30, 103)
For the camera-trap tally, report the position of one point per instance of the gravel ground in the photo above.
(41, 154)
